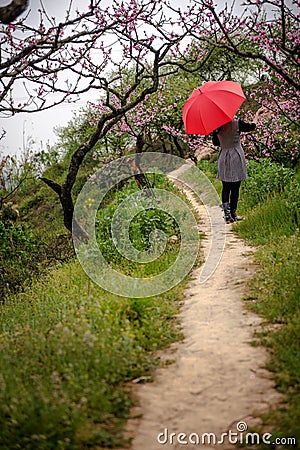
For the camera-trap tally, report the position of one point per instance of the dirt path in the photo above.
(218, 379)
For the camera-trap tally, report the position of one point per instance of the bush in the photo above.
(271, 202)
(264, 178)
(146, 222)
(17, 246)
(26, 252)
(141, 226)
(292, 200)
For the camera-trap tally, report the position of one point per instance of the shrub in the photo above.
(17, 246)
(26, 252)
(141, 225)
(292, 200)
(265, 177)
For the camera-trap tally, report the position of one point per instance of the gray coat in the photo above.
(231, 161)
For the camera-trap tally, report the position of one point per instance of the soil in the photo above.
(218, 377)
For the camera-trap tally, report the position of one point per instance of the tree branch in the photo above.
(52, 184)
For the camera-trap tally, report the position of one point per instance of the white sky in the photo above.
(39, 125)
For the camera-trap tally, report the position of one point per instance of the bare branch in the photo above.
(55, 186)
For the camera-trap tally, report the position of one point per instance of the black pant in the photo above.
(230, 193)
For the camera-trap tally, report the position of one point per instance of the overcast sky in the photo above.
(40, 125)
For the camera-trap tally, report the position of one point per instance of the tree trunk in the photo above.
(67, 206)
(178, 147)
(65, 197)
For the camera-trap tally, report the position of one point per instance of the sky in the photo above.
(39, 126)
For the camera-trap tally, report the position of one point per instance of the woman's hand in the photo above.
(258, 113)
(261, 111)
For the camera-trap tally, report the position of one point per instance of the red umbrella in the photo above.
(212, 105)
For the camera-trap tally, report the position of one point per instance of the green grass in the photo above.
(276, 288)
(270, 205)
(274, 293)
(67, 350)
(268, 221)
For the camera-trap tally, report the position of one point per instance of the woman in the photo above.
(232, 163)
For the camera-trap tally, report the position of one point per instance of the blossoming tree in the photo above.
(267, 32)
(92, 50)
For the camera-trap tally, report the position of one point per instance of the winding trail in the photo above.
(218, 378)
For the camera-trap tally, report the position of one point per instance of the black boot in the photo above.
(234, 215)
(227, 214)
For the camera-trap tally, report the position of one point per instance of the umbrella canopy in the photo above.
(212, 105)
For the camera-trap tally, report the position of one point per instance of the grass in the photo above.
(276, 285)
(269, 202)
(274, 293)
(267, 221)
(68, 350)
